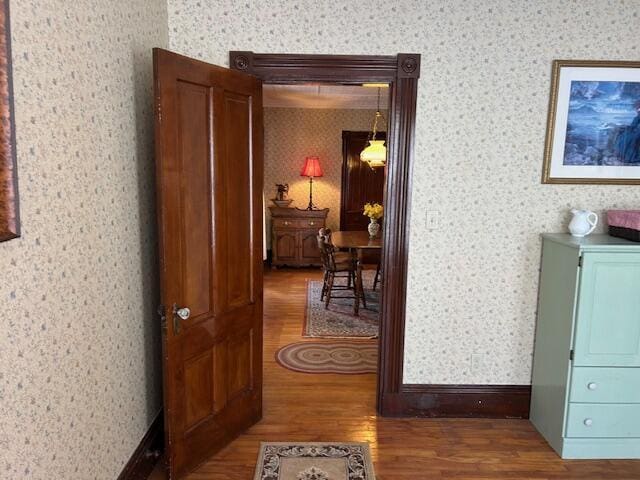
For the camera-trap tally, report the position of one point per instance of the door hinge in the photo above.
(159, 110)
(580, 261)
(571, 354)
(162, 311)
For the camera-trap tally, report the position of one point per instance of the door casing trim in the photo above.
(402, 72)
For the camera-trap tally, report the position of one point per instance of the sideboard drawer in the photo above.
(605, 385)
(602, 420)
(313, 223)
(285, 223)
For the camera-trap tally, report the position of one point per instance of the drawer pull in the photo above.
(312, 223)
(588, 422)
(287, 223)
(592, 385)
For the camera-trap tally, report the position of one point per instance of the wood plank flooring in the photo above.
(304, 407)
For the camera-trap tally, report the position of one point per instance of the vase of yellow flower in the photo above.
(374, 211)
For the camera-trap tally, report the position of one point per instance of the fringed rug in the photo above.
(349, 358)
(338, 320)
(314, 461)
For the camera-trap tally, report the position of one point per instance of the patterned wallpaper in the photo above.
(80, 375)
(481, 124)
(290, 135)
(79, 288)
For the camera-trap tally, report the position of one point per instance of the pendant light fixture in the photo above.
(375, 154)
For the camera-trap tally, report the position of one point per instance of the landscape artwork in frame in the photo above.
(593, 131)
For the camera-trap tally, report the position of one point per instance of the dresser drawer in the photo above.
(313, 223)
(603, 420)
(284, 223)
(298, 223)
(605, 385)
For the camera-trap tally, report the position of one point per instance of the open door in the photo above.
(360, 183)
(209, 163)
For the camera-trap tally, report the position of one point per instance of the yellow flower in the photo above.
(373, 210)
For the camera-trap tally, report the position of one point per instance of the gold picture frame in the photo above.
(550, 161)
(9, 211)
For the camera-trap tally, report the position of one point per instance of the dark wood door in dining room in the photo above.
(209, 166)
(360, 183)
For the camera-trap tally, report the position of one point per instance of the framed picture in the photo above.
(593, 129)
(9, 218)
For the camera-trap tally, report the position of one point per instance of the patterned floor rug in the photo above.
(349, 358)
(338, 320)
(314, 461)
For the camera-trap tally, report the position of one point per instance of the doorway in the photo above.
(313, 136)
(401, 72)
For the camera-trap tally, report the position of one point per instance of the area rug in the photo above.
(338, 320)
(314, 461)
(350, 358)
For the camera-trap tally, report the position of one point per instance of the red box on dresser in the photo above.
(624, 224)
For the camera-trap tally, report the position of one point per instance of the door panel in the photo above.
(209, 176)
(240, 356)
(286, 246)
(220, 381)
(360, 183)
(608, 327)
(198, 374)
(309, 246)
(237, 204)
(194, 102)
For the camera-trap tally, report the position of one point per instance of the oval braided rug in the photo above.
(350, 358)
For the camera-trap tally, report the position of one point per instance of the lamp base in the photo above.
(311, 206)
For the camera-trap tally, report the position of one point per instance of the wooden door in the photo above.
(285, 247)
(360, 183)
(209, 184)
(608, 321)
(309, 251)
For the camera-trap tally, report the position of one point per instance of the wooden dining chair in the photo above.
(371, 259)
(337, 265)
(338, 256)
(376, 278)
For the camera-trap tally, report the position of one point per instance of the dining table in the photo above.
(358, 242)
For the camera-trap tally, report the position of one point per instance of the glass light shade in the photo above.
(375, 154)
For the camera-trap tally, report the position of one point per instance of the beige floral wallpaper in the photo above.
(290, 135)
(79, 376)
(481, 123)
(78, 290)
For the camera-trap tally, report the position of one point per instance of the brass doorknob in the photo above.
(179, 314)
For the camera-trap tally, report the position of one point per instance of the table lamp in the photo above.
(311, 169)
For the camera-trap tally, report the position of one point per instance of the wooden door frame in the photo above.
(401, 72)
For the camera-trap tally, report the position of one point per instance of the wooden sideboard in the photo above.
(294, 236)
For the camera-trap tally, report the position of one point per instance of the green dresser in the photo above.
(585, 397)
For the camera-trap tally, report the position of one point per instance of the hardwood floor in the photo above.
(304, 407)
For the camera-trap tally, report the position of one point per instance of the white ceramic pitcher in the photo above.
(583, 222)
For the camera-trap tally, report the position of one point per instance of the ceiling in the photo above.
(324, 96)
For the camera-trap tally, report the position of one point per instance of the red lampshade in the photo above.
(311, 167)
